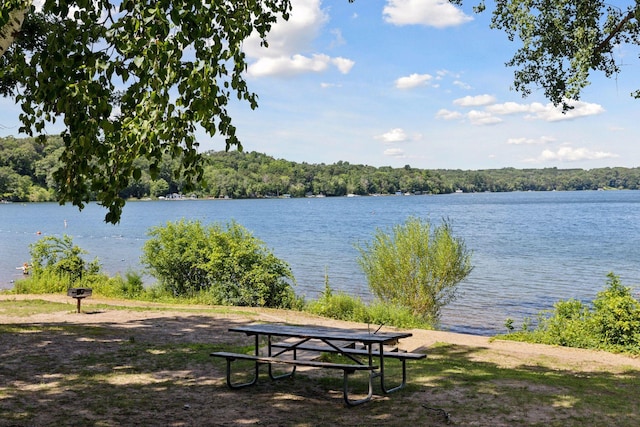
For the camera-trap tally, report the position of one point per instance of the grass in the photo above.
(535, 394)
(158, 372)
(23, 308)
(29, 307)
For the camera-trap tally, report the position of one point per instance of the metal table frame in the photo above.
(329, 337)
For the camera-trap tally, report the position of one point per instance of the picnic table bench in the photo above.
(388, 353)
(322, 340)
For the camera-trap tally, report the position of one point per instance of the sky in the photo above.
(415, 82)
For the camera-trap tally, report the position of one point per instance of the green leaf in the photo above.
(138, 61)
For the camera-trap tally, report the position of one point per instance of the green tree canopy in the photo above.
(128, 79)
(562, 42)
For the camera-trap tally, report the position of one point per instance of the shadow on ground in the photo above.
(157, 371)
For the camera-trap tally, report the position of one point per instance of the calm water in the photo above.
(529, 249)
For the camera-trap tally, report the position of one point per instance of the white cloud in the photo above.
(413, 80)
(432, 13)
(548, 112)
(290, 50)
(338, 38)
(570, 154)
(394, 135)
(482, 118)
(461, 84)
(531, 141)
(534, 111)
(394, 152)
(288, 66)
(509, 108)
(475, 101)
(441, 74)
(448, 114)
(343, 64)
(477, 118)
(292, 36)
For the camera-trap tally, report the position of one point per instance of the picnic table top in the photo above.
(321, 332)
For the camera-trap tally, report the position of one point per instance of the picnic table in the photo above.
(364, 350)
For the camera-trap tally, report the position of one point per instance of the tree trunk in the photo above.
(12, 27)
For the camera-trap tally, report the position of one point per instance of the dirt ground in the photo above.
(171, 324)
(513, 352)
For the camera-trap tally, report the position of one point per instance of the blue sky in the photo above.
(418, 82)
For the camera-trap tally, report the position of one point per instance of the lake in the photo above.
(530, 249)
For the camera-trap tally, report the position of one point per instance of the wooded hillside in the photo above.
(26, 174)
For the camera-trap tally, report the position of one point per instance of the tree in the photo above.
(564, 41)
(228, 262)
(417, 266)
(158, 187)
(58, 255)
(128, 79)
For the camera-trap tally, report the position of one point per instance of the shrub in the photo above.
(56, 265)
(345, 307)
(393, 315)
(60, 256)
(568, 324)
(617, 315)
(416, 266)
(227, 261)
(338, 306)
(612, 322)
(45, 282)
(131, 286)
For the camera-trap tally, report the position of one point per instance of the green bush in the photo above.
(611, 323)
(58, 255)
(57, 265)
(45, 282)
(226, 262)
(617, 315)
(130, 287)
(568, 324)
(133, 285)
(338, 306)
(416, 266)
(345, 307)
(392, 315)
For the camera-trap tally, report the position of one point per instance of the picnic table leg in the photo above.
(256, 371)
(286, 374)
(354, 402)
(386, 390)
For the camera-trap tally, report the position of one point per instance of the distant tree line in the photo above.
(27, 166)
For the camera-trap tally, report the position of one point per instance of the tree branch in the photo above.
(615, 31)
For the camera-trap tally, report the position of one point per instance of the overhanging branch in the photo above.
(615, 31)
